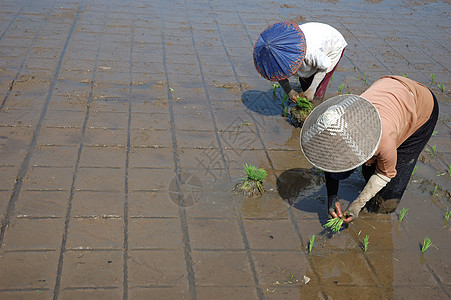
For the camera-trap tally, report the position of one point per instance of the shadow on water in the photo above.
(269, 103)
(264, 103)
(302, 189)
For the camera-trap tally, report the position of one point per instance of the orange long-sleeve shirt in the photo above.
(404, 106)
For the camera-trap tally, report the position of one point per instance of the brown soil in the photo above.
(298, 115)
(250, 191)
(233, 86)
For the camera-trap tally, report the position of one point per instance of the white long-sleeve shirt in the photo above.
(324, 47)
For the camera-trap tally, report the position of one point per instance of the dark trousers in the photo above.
(387, 199)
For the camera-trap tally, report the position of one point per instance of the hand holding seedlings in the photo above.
(339, 214)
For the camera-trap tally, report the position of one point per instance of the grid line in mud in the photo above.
(11, 86)
(177, 170)
(239, 216)
(418, 48)
(363, 46)
(13, 20)
(63, 248)
(289, 208)
(213, 117)
(26, 162)
(127, 161)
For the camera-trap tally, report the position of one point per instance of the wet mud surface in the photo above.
(125, 125)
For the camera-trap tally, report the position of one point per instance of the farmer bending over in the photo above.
(384, 130)
(310, 51)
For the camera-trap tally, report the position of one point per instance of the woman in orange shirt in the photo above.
(384, 130)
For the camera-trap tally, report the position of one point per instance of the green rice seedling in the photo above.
(284, 99)
(434, 193)
(433, 150)
(434, 132)
(171, 89)
(332, 78)
(275, 86)
(334, 224)
(441, 86)
(310, 244)
(301, 110)
(365, 78)
(414, 169)
(447, 172)
(255, 177)
(427, 243)
(340, 88)
(432, 78)
(285, 110)
(404, 75)
(304, 104)
(402, 214)
(255, 174)
(447, 214)
(365, 243)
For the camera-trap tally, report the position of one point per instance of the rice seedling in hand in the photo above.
(310, 244)
(334, 224)
(304, 104)
(427, 243)
(441, 86)
(365, 243)
(340, 88)
(403, 213)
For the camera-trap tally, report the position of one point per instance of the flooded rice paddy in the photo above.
(124, 126)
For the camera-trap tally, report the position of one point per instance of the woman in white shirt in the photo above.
(323, 48)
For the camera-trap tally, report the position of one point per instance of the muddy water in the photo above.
(338, 263)
(123, 131)
(295, 208)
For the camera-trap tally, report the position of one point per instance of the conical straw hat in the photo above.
(279, 51)
(341, 133)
